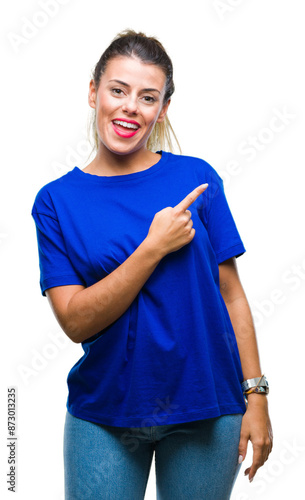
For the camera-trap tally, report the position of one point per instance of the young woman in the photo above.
(137, 256)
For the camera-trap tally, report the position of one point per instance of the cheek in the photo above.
(152, 116)
(105, 107)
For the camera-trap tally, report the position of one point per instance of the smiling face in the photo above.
(128, 103)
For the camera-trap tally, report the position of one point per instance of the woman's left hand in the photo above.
(256, 427)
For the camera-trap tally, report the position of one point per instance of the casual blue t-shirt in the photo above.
(172, 357)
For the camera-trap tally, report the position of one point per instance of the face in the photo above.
(128, 103)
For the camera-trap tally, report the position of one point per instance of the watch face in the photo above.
(260, 389)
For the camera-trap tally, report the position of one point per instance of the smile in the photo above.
(126, 124)
(125, 128)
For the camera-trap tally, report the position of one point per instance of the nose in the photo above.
(130, 105)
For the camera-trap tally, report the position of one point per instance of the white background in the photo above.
(237, 64)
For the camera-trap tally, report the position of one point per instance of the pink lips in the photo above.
(125, 133)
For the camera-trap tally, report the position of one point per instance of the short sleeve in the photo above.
(56, 269)
(221, 227)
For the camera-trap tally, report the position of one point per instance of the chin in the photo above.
(123, 149)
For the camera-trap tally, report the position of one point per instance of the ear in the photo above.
(163, 112)
(92, 94)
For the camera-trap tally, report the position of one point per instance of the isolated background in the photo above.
(238, 64)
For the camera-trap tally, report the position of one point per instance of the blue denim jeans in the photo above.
(193, 461)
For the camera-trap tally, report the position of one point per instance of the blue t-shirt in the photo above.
(172, 357)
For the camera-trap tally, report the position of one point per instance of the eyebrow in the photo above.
(127, 85)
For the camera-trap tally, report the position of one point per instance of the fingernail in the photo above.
(251, 479)
(240, 459)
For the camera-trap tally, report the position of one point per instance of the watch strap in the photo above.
(257, 382)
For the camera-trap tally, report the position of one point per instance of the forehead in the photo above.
(134, 72)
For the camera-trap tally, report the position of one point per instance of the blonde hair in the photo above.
(148, 50)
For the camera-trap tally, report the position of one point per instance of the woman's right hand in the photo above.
(172, 227)
(85, 311)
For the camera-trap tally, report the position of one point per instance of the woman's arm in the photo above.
(83, 312)
(256, 424)
(241, 318)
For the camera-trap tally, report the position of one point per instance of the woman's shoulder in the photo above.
(44, 199)
(196, 163)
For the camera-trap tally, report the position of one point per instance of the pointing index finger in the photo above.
(191, 197)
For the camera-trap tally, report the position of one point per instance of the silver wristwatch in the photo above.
(260, 382)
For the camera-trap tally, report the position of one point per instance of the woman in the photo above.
(151, 290)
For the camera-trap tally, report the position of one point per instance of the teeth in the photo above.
(126, 124)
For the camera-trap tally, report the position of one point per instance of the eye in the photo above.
(149, 99)
(116, 91)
